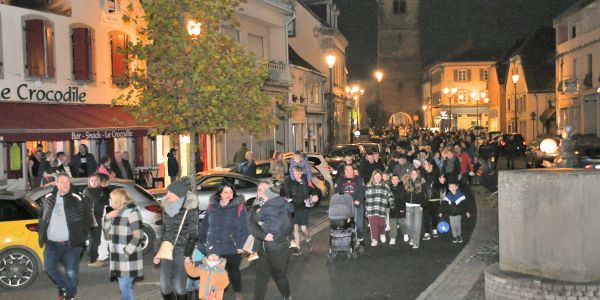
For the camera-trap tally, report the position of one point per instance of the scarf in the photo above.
(172, 208)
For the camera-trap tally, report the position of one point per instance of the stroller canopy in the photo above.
(341, 207)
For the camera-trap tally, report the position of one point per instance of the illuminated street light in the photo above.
(194, 28)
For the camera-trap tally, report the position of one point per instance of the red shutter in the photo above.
(455, 75)
(468, 74)
(118, 41)
(81, 54)
(34, 45)
(49, 49)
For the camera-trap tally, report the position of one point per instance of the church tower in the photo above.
(399, 46)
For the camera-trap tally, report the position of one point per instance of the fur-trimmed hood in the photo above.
(214, 200)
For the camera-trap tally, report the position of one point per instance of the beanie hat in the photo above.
(178, 188)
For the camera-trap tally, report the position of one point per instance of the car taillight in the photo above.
(588, 166)
(503, 143)
(154, 208)
(33, 227)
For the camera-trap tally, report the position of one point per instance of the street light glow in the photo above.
(330, 60)
(424, 107)
(483, 94)
(362, 91)
(515, 78)
(446, 91)
(454, 90)
(379, 75)
(347, 90)
(194, 28)
(355, 89)
(486, 100)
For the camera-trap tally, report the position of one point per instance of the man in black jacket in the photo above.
(64, 223)
(121, 167)
(369, 165)
(353, 185)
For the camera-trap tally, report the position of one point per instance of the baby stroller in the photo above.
(342, 235)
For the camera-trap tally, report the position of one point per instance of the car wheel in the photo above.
(18, 268)
(148, 240)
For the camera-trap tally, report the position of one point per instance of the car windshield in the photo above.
(341, 151)
(371, 147)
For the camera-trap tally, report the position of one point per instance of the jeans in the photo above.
(360, 221)
(233, 271)
(56, 253)
(394, 222)
(377, 226)
(272, 264)
(95, 234)
(510, 160)
(414, 217)
(172, 274)
(455, 226)
(126, 287)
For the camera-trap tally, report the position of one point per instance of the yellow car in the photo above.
(21, 257)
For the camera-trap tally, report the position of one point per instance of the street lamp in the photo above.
(515, 78)
(481, 96)
(452, 92)
(330, 63)
(379, 77)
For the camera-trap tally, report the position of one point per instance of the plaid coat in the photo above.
(125, 233)
(379, 198)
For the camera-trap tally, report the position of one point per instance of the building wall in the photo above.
(580, 105)
(308, 118)
(497, 95)
(399, 56)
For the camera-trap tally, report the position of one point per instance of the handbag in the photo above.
(166, 248)
(249, 244)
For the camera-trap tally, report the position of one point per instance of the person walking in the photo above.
(123, 227)
(121, 167)
(415, 200)
(105, 168)
(64, 166)
(299, 159)
(378, 199)
(397, 210)
(172, 165)
(432, 188)
(248, 165)
(84, 162)
(278, 167)
(369, 165)
(350, 183)
(453, 208)
(512, 147)
(94, 194)
(35, 160)
(224, 231)
(64, 224)
(303, 195)
(273, 244)
(180, 228)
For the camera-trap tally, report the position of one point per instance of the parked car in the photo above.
(320, 162)
(535, 156)
(149, 208)
(521, 144)
(372, 147)
(208, 183)
(21, 257)
(589, 158)
(336, 155)
(317, 179)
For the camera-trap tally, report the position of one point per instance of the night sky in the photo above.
(447, 27)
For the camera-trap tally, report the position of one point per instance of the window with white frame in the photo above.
(463, 97)
(255, 45)
(462, 75)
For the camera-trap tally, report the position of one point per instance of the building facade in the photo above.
(578, 67)
(464, 103)
(399, 48)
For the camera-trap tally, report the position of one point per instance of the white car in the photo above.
(320, 163)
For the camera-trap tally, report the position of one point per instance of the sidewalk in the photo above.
(461, 275)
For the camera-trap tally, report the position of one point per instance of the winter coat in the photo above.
(125, 235)
(91, 165)
(274, 215)
(306, 170)
(356, 187)
(224, 229)
(451, 168)
(466, 164)
(280, 240)
(78, 214)
(454, 204)
(128, 171)
(211, 278)
(398, 207)
(189, 231)
(402, 170)
(172, 164)
(432, 184)
(247, 168)
(411, 195)
(378, 199)
(367, 169)
(97, 200)
(299, 191)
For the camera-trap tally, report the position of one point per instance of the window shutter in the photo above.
(468, 74)
(118, 41)
(455, 75)
(81, 54)
(34, 46)
(49, 49)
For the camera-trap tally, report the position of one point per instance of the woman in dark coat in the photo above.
(414, 195)
(95, 195)
(273, 248)
(225, 230)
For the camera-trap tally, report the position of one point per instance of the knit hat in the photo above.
(178, 188)
(271, 193)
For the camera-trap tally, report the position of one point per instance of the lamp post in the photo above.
(194, 29)
(379, 77)
(425, 119)
(330, 63)
(515, 79)
(452, 92)
(481, 96)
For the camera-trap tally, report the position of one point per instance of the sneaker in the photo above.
(435, 233)
(460, 240)
(96, 264)
(455, 240)
(406, 238)
(293, 244)
(382, 238)
(62, 293)
(253, 256)
(297, 252)
(392, 242)
(309, 245)
(373, 243)
(410, 242)
(426, 237)
(415, 247)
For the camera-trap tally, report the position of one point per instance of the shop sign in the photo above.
(24, 93)
(101, 134)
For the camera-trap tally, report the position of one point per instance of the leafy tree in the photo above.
(187, 84)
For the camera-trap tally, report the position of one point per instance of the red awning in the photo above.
(25, 122)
